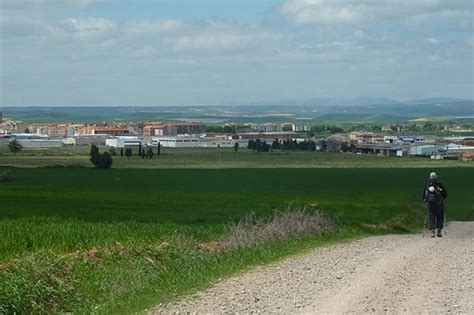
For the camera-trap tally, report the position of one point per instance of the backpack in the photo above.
(433, 194)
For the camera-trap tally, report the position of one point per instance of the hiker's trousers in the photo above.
(436, 216)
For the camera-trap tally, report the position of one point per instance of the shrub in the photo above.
(289, 224)
(14, 146)
(5, 176)
(103, 160)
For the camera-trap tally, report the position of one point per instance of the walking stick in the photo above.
(424, 222)
(445, 220)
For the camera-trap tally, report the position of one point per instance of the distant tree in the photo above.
(105, 160)
(94, 154)
(250, 144)
(121, 152)
(149, 153)
(128, 152)
(276, 144)
(14, 146)
(236, 147)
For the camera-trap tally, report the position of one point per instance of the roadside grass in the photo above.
(220, 158)
(120, 241)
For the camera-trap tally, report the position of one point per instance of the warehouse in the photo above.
(40, 143)
(123, 142)
(424, 150)
(177, 141)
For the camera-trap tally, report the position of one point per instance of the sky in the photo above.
(218, 52)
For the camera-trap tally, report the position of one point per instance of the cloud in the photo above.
(223, 41)
(347, 12)
(318, 11)
(151, 27)
(432, 40)
(88, 29)
(46, 6)
(89, 26)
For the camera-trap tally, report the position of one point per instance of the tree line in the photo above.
(285, 145)
(105, 160)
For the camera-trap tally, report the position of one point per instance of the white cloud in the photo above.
(320, 11)
(359, 34)
(142, 52)
(150, 27)
(222, 41)
(46, 6)
(90, 25)
(81, 29)
(432, 40)
(355, 12)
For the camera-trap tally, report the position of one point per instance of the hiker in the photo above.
(434, 195)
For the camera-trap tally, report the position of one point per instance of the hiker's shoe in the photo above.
(433, 233)
(439, 234)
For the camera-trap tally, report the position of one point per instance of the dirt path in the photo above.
(394, 274)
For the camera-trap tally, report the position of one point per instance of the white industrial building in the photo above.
(123, 142)
(179, 141)
(186, 141)
(424, 150)
(40, 143)
(222, 143)
(453, 150)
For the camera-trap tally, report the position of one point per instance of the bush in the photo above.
(290, 224)
(103, 160)
(5, 176)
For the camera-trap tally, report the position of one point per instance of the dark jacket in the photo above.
(434, 182)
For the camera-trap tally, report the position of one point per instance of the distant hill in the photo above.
(438, 100)
(337, 101)
(359, 109)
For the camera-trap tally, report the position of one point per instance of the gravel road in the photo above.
(383, 274)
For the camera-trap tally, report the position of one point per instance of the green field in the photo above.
(125, 239)
(220, 158)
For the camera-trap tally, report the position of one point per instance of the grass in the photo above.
(220, 158)
(122, 240)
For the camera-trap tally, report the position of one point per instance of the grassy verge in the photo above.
(120, 279)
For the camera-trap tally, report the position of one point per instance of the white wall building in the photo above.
(183, 141)
(122, 142)
(186, 141)
(40, 143)
(222, 143)
(424, 150)
(300, 128)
